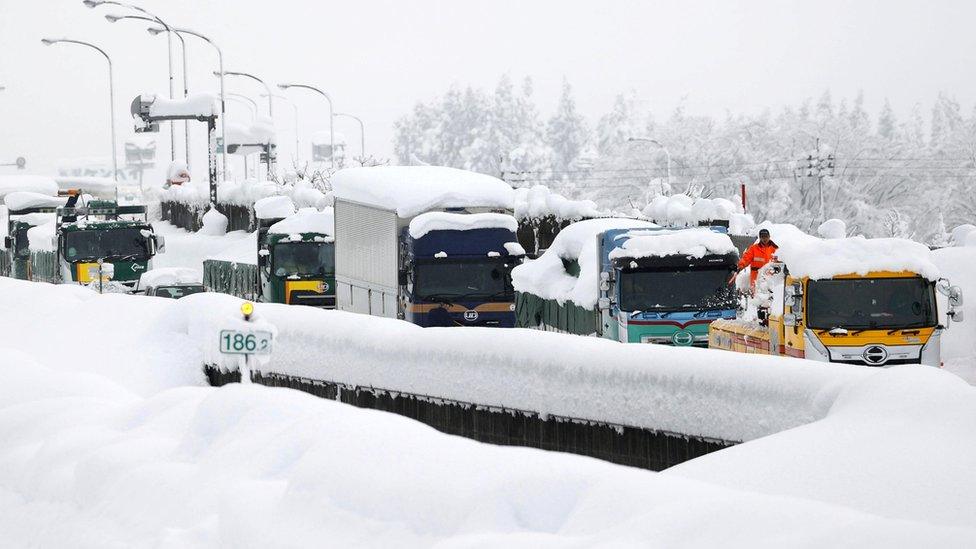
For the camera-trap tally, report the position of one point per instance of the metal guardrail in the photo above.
(237, 279)
(621, 444)
(190, 216)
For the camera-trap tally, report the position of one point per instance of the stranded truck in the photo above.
(630, 281)
(434, 246)
(869, 302)
(99, 243)
(293, 261)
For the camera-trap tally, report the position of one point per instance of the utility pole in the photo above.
(820, 165)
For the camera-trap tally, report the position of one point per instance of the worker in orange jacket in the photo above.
(756, 256)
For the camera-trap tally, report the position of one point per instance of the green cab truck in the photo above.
(293, 262)
(98, 244)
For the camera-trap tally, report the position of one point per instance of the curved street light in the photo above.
(169, 54)
(186, 88)
(295, 107)
(251, 104)
(220, 64)
(111, 99)
(331, 114)
(362, 135)
(262, 82)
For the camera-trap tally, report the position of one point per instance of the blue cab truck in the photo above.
(665, 298)
(430, 245)
(640, 284)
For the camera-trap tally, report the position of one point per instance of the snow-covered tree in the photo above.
(566, 131)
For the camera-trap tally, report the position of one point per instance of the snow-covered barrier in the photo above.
(680, 402)
(542, 213)
(184, 205)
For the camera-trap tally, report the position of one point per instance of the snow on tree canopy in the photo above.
(307, 220)
(21, 200)
(688, 242)
(538, 201)
(832, 228)
(273, 207)
(816, 258)
(170, 275)
(30, 183)
(200, 104)
(546, 276)
(411, 190)
(683, 210)
(444, 221)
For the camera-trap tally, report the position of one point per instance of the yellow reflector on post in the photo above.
(247, 309)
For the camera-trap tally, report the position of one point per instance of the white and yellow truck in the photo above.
(870, 302)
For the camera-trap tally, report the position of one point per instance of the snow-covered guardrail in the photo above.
(700, 393)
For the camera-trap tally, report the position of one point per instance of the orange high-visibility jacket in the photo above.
(755, 257)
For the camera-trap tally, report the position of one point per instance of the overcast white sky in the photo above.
(378, 57)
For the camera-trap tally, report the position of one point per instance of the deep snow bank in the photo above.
(914, 427)
(86, 463)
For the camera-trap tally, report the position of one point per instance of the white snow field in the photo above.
(108, 438)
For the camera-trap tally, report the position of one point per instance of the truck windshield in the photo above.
(94, 244)
(446, 279)
(871, 303)
(304, 258)
(688, 289)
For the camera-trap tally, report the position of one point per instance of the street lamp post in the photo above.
(220, 64)
(252, 107)
(271, 159)
(111, 100)
(331, 114)
(186, 88)
(294, 106)
(362, 135)
(169, 54)
(267, 89)
(247, 101)
(667, 153)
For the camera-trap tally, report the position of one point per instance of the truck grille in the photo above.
(312, 299)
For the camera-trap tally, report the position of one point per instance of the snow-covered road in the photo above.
(109, 438)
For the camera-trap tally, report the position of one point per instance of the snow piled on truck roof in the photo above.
(411, 190)
(445, 221)
(21, 200)
(307, 220)
(697, 242)
(32, 183)
(538, 202)
(273, 207)
(546, 276)
(809, 256)
(167, 276)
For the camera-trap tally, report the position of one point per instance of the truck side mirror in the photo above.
(955, 296)
(160, 243)
(54, 242)
(8, 242)
(957, 316)
(402, 277)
